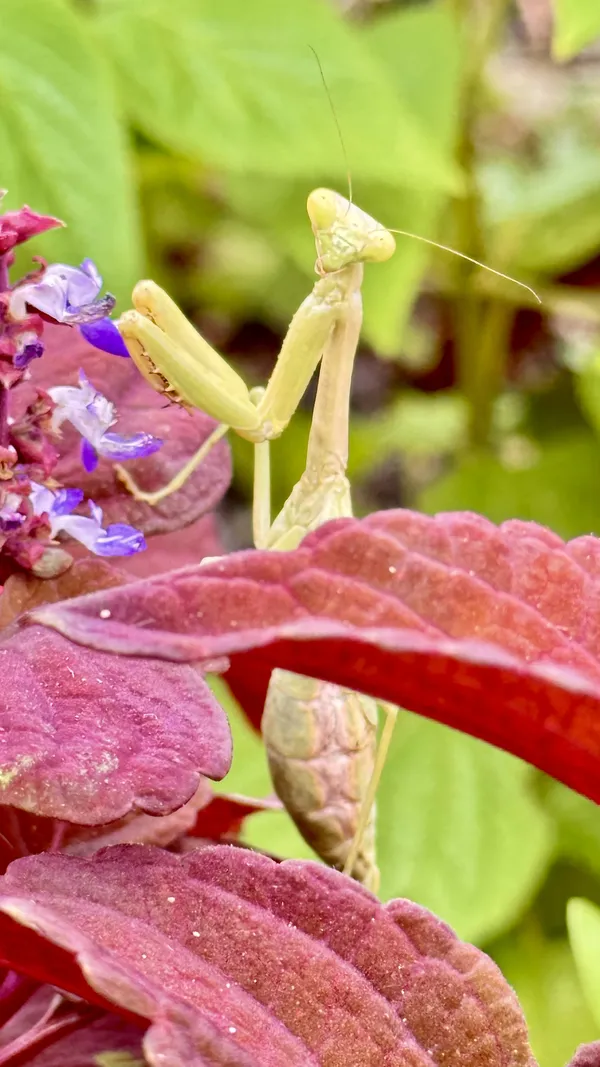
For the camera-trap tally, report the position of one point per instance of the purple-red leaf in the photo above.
(236, 960)
(105, 1041)
(223, 815)
(23, 591)
(492, 630)
(587, 1056)
(88, 737)
(138, 408)
(49, 1031)
(208, 816)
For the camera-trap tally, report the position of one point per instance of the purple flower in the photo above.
(30, 347)
(103, 334)
(64, 294)
(118, 539)
(92, 415)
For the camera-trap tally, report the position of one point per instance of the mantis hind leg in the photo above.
(367, 806)
(180, 478)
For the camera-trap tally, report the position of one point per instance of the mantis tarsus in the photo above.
(320, 739)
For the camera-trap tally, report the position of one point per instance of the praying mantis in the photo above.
(321, 739)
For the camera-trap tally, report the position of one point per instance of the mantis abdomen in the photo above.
(321, 741)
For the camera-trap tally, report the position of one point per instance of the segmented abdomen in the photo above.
(321, 742)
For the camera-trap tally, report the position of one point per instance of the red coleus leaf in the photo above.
(138, 408)
(587, 1056)
(236, 960)
(23, 591)
(48, 1031)
(206, 817)
(87, 737)
(107, 1041)
(26, 834)
(223, 815)
(492, 630)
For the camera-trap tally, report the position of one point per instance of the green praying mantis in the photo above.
(321, 739)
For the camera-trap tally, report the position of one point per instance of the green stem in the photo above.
(476, 324)
(489, 368)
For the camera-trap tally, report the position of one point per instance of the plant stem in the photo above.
(488, 368)
(4, 265)
(3, 416)
(479, 328)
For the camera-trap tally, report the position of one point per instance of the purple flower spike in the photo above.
(64, 294)
(116, 540)
(92, 414)
(103, 334)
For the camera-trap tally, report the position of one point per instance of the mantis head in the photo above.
(344, 234)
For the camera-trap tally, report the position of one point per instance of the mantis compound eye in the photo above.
(323, 206)
(381, 246)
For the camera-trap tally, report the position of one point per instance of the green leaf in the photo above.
(421, 50)
(577, 821)
(577, 24)
(236, 85)
(545, 218)
(61, 146)
(583, 921)
(543, 976)
(557, 484)
(587, 389)
(272, 832)
(458, 830)
(414, 424)
(430, 92)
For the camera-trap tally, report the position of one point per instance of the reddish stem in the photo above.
(5, 262)
(4, 429)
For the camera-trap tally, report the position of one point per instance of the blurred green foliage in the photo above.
(584, 932)
(180, 138)
(62, 146)
(577, 25)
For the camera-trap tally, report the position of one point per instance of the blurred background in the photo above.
(180, 138)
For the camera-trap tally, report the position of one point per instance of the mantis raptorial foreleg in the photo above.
(178, 362)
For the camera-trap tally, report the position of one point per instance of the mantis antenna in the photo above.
(463, 255)
(337, 124)
(407, 233)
